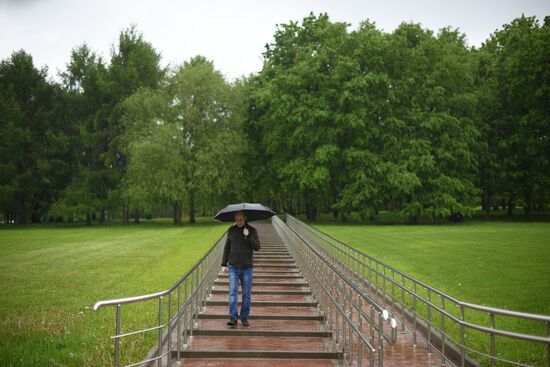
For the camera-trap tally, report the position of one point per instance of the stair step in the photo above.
(270, 292)
(225, 343)
(275, 266)
(280, 253)
(259, 332)
(269, 276)
(280, 354)
(270, 280)
(267, 288)
(275, 284)
(266, 303)
(265, 324)
(257, 362)
(267, 297)
(276, 271)
(256, 316)
(274, 261)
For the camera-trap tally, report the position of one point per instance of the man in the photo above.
(242, 240)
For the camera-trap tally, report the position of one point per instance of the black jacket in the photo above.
(238, 250)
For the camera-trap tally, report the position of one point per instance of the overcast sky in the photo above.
(231, 33)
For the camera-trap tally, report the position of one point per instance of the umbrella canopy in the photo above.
(253, 211)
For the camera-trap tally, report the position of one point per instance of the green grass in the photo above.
(498, 264)
(51, 276)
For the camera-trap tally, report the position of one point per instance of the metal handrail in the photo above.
(194, 286)
(340, 300)
(353, 258)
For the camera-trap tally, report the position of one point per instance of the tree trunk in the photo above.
(88, 219)
(311, 208)
(136, 216)
(102, 215)
(290, 206)
(485, 205)
(125, 213)
(528, 204)
(192, 208)
(20, 212)
(177, 213)
(510, 207)
(20, 218)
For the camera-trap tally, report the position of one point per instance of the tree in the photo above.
(156, 152)
(85, 82)
(134, 64)
(433, 114)
(33, 141)
(517, 75)
(297, 107)
(96, 91)
(208, 114)
(184, 141)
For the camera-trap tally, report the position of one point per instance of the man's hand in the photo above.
(224, 269)
(245, 232)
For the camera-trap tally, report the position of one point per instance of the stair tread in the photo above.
(257, 362)
(263, 343)
(267, 297)
(267, 310)
(276, 325)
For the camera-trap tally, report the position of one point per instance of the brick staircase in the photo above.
(286, 328)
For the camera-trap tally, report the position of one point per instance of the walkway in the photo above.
(287, 327)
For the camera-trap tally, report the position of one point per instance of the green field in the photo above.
(498, 264)
(51, 276)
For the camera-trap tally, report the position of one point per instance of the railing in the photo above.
(185, 300)
(356, 320)
(444, 321)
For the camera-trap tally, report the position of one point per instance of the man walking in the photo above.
(242, 240)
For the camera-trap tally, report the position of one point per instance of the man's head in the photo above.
(240, 217)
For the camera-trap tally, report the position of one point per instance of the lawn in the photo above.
(51, 276)
(498, 264)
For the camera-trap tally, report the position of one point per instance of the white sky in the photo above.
(231, 33)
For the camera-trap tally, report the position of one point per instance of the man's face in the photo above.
(239, 219)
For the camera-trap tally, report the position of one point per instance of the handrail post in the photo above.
(429, 318)
(442, 330)
(117, 333)
(380, 341)
(360, 344)
(169, 346)
(351, 320)
(185, 311)
(462, 341)
(402, 302)
(492, 315)
(179, 324)
(414, 313)
(159, 361)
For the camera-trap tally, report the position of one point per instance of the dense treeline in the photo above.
(348, 122)
(412, 122)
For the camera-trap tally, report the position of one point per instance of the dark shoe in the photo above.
(245, 322)
(232, 323)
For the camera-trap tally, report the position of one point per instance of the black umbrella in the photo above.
(253, 211)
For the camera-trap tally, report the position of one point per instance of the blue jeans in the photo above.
(244, 275)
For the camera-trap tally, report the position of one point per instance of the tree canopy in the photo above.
(350, 122)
